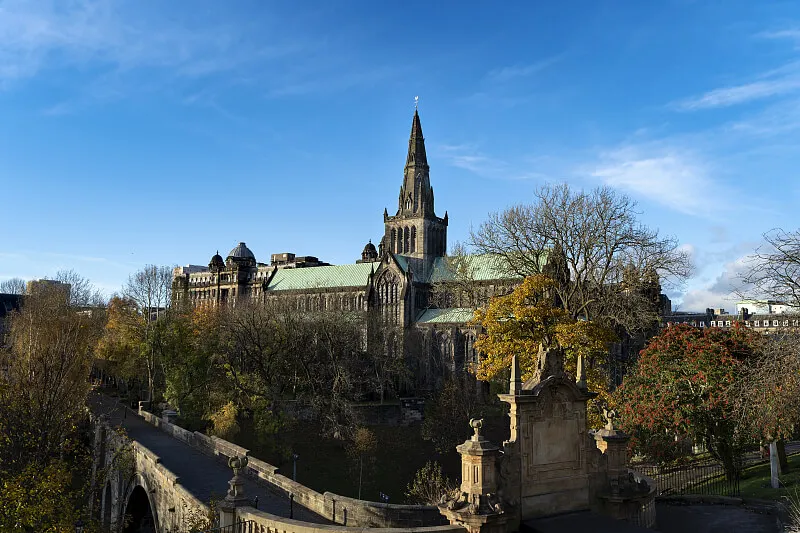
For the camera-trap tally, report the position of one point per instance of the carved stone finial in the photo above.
(476, 424)
(610, 415)
(237, 463)
(515, 383)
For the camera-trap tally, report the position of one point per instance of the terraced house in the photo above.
(399, 279)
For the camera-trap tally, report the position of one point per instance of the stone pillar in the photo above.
(614, 444)
(235, 497)
(478, 508)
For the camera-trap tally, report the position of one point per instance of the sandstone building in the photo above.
(396, 279)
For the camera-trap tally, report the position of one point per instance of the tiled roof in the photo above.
(484, 267)
(322, 277)
(454, 315)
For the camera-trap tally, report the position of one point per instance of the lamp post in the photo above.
(295, 457)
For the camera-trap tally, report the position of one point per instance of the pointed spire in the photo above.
(416, 144)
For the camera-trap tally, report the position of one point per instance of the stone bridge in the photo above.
(163, 479)
(157, 477)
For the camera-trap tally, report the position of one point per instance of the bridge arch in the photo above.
(139, 514)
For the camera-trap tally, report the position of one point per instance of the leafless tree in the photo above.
(774, 269)
(150, 289)
(456, 283)
(607, 263)
(12, 286)
(82, 293)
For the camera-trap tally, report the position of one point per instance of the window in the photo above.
(785, 322)
(794, 323)
(727, 323)
(713, 323)
(775, 323)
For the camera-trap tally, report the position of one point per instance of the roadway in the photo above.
(202, 475)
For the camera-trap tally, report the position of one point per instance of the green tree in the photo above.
(429, 485)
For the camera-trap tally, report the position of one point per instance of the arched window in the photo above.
(413, 239)
(393, 243)
(406, 237)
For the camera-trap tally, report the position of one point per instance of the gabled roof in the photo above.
(322, 277)
(453, 315)
(483, 267)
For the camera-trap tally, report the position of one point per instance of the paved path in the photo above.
(713, 519)
(204, 476)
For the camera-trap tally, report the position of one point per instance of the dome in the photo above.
(370, 248)
(241, 251)
(369, 253)
(217, 261)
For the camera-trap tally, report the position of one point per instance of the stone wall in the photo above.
(336, 508)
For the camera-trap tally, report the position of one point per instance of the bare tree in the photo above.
(774, 269)
(12, 286)
(607, 264)
(150, 289)
(82, 293)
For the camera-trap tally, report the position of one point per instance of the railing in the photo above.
(244, 526)
(703, 476)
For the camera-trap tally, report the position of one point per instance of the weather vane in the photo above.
(416, 102)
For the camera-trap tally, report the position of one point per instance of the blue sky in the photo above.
(158, 132)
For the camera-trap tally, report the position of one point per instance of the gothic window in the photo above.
(405, 239)
(413, 239)
(360, 301)
(393, 243)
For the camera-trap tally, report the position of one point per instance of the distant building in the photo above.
(8, 304)
(35, 285)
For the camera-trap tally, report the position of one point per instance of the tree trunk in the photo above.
(774, 466)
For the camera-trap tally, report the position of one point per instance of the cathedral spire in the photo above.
(416, 145)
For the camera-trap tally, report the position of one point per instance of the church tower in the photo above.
(415, 231)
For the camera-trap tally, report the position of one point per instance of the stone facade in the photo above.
(394, 280)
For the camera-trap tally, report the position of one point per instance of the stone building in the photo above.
(396, 279)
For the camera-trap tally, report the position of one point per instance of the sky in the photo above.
(147, 132)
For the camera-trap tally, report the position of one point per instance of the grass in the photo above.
(755, 481)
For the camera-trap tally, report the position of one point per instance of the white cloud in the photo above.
(468, 157)
(668, 176)
(513, 72)
(739, 94)
(719, 292)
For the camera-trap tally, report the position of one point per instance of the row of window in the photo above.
(748, 323)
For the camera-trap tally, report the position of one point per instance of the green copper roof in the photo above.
(322, 277)
(484, 267)
(454, 315)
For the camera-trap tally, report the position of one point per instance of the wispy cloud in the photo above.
(739, 94)
(670, 176)
(469, 157)
(514, 72)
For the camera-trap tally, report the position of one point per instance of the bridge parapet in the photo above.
(334, 507)
(267, 523)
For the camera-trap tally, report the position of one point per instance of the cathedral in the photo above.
(398, 279)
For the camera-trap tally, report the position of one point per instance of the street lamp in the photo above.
(79, 526)
(295, 457)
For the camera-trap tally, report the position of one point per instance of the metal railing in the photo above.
(704, 476)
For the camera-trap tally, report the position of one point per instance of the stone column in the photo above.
(478, 508)
(614, 444)
(235, 497)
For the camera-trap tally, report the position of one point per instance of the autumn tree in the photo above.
(518, 323)
(766, 399)
(429, 485)
(149, 289)
(684, 389)
(606, 263)
(44, 382)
